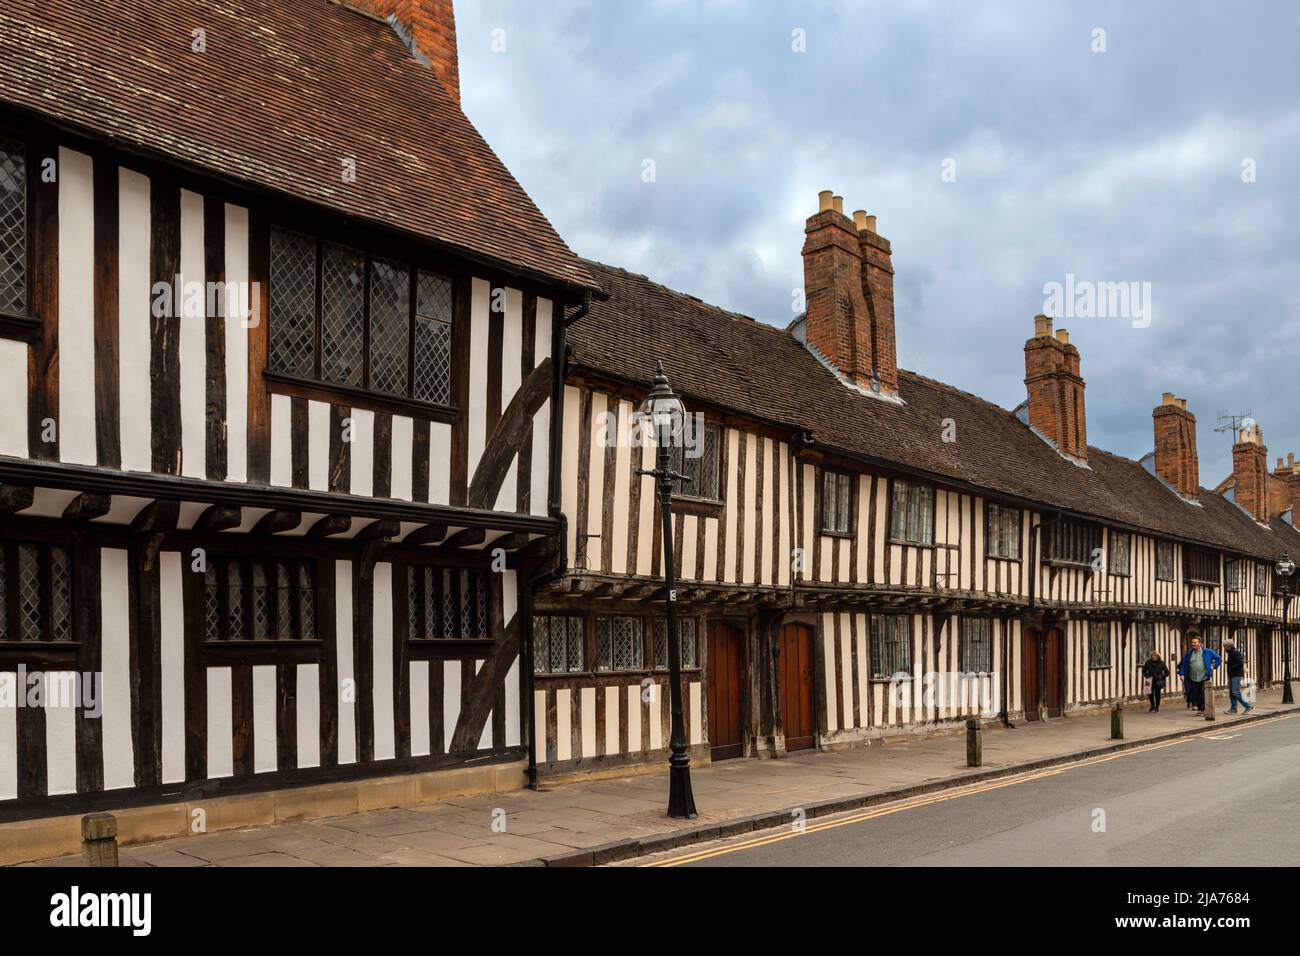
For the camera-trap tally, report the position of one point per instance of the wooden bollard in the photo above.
(99, 839)
(1117, 721)
(974, 743)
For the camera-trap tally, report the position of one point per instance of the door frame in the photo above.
(815, 694)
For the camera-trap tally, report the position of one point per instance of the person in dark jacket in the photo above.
(1157, 672)
(1236, 671)
(1197, 670)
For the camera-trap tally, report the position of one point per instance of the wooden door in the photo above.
(726, 686)
(1263, 658)
(797, 686)
(1053, 688)
(1029, 672)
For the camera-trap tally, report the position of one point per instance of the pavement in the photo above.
(602, 821)
(1215, 804)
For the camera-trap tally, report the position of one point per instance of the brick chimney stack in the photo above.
(1250, 472)
(849, 285)
(1056, 407)
(431, 27)
(1176, 460)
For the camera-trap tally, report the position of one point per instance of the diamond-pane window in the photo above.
(261, 604)
(306, 602)
(557, 644)
(448, 603)
(343, 316)
(13, 228)
(283, 602)
(697, 457)
(29, 592)
(283, 595)
(390, 325)
(211, 603)
(235, 598)
(433, 315)
(685, 634)
(293, 303)
(60, 595)
(620, 644)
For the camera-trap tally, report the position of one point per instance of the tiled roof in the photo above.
(285, 91)
(731, 361)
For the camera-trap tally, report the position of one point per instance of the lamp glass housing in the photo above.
(1285, 567)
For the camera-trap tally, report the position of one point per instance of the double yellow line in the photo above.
(925, 801)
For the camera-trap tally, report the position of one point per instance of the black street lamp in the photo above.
(664, 412)
(1284, 568)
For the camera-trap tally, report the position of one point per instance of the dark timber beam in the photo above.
(14, 498)
(275, 522)
(429, 534)
(330, 525)
(465, 538)
(508, 436)
(379, 530)
(159, 517)
(218, 518)
(87, 506)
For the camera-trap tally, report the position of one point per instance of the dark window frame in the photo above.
(465, 595)
(225, 572)
(544, 658)
(1114, 536)
(16, 554)
(845, 484)
(692, 491)
(1202, 566)
(1144, 637)
(982, 642)
(365, 395)
(926, 532)
(993, 514)
(1099, 649)
(1261, 579)
(883, 632)
(1164, 548)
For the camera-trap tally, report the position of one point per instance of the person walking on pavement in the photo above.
(1156, 672)
(1197, 670)
(1236, 671)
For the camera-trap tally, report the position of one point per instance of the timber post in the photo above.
(974, 743)
(99, 839)
(1117, 721)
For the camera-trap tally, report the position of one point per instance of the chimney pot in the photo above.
(1042, 326)
(1182, 403)
(871, 224)
(825, 200)
(1290, 458)
(1168, 399)
(839, 204)
(860, 219)
(1063, 336)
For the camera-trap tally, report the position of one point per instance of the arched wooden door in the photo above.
(797, 686)
(726, 688)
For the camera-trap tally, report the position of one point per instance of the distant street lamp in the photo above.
(1284, 568)
(664, 412)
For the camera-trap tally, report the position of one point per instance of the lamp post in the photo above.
(664, 412)
(1284, 568)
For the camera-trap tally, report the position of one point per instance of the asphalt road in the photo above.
(1198, 802)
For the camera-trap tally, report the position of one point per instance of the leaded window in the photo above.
(977, 645)
(1236, 574)
(281, 606)
(433, 305)
(1099, 644)
(1201, 565)
(1146, 641)
(1003, 533)
(558, 644)
(36, 594)
(448, 603)
(891, 645)
(1165, 560)
(1121, 548)
(1261, 580)
(1241, 639)
(912, 514)
(698, 457)
(13, 228)
(293, 303)
(686, 635)
(837, 502)
(620, 644)
(1212, 637)
(343, 317)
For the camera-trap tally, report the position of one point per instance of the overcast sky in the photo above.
(1117, 166)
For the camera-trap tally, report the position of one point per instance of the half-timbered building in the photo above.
(863, 551)
(276, 339)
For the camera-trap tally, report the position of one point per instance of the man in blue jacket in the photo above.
(1197, 669)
